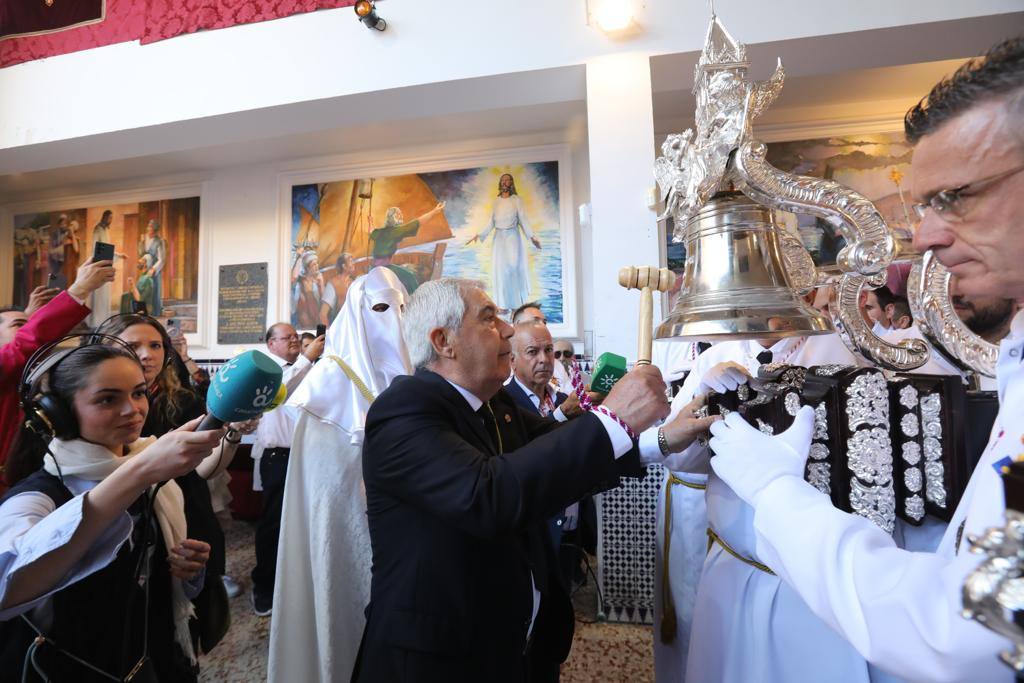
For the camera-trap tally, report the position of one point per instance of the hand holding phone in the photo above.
(103, 251)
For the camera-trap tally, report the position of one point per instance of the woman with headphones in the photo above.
(76, 601)
(172, 404)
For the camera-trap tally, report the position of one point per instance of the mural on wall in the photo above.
(876, 165)
(156, 247)
(497, 224)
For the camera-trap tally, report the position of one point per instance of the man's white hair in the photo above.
(434, 304)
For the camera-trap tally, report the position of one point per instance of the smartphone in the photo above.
(52, 279)
(139, 307)
(173, 328)
(103, 251)
(321, 330)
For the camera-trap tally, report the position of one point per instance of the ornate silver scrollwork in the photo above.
(908, 396)
(870, 455)
(934, 470)
(820, 422)
(792, 403)
(867, 400)
(694, 165)
(870, 246)
(911, 453)
(819, 470)
(909, 425)
(914, 507)
(995, 590)
(928, 294)
(912, 480)
(818, 476)
(875, 503)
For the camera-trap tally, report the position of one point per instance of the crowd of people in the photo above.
(428, 483)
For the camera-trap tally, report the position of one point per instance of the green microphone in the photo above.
(609, 369)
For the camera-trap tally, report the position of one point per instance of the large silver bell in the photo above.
(735, 284)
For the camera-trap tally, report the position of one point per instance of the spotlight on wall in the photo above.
(614, 17)
(367, 14)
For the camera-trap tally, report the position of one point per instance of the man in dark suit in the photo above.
(459, 481)
(530, 386)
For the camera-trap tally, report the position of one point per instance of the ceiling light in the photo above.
(367, 13)
(611, 16)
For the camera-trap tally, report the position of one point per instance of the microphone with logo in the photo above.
(245, 387)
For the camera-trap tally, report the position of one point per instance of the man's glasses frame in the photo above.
(948, 204)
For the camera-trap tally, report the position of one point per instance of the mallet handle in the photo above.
(644, 340)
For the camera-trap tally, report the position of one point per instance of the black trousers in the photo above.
(273, 468)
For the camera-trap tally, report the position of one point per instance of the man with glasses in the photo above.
(560, 375)
(273, 443)
(901, 610)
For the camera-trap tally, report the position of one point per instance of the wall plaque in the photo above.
(242, 304)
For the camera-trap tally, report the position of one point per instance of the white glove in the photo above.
(748, 460)
(723, 377)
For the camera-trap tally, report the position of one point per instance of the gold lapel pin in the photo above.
(508, 418)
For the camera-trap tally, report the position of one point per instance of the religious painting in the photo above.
(156, 246)
(875, 165)
(499, 224)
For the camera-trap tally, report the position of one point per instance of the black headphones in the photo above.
(46, 413)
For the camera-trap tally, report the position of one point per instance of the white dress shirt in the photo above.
(277, 426)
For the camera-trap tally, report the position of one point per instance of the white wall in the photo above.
(328, 54)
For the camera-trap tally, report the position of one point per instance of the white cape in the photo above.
(324, 555)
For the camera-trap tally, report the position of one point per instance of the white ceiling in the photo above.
(827, 77)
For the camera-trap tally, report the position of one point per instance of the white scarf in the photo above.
(93, 462)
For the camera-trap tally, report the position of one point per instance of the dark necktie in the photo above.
(765, 357)
(490, 426)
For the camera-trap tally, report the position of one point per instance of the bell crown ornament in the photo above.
(721, 152)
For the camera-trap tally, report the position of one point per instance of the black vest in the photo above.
(102, 619)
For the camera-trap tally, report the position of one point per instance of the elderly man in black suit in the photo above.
(459, 481)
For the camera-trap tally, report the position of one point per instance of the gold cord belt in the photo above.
(668, 617)
(351, 374)
(715, 538)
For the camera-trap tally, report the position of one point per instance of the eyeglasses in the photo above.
(948, 204)
(290, 338)
(563, 354)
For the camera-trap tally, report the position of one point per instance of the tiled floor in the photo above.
(600, 652)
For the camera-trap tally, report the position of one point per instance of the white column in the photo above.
(620, 121)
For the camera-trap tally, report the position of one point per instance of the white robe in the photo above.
(688, 543)
(323, 558)
(747, 624)
(900, 610)
(510, 268)
(324, 554)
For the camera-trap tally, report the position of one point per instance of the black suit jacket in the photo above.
(457, 530)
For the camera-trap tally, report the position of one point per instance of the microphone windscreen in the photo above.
(609, 369)
(244, 387)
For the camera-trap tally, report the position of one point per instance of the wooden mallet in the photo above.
(647, 279)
